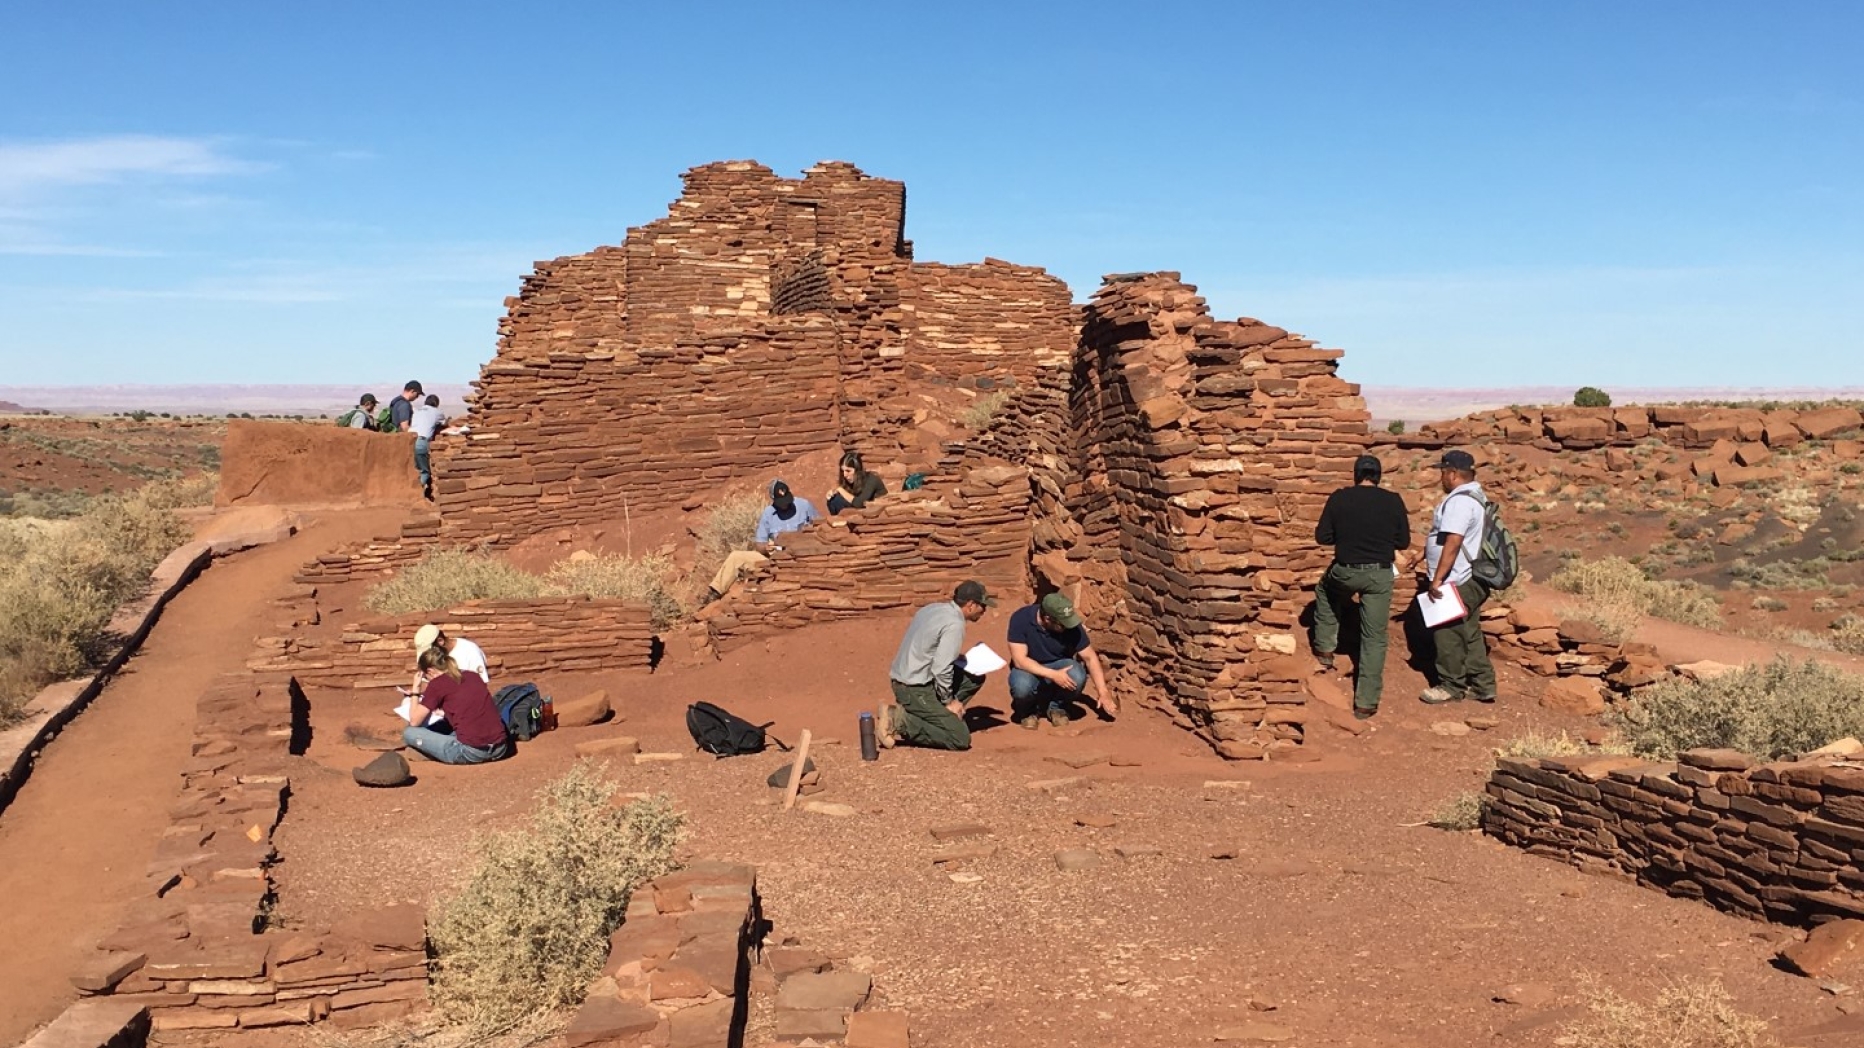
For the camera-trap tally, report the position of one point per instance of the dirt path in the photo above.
(75, 841)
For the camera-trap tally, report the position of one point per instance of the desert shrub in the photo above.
(1767, 604)
(1395, 427)
(1807, 574)
(445, 578)
(529, 926)
(1617, 591)
(61, 582)
(1684, 1015)
(644, 579)
(1779, 708)
(1848, 637)
(1461, 812)
(1591, 397)
(1534, 746)
(983, 409)
(731, 524)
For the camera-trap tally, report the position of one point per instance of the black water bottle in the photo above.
(870, 749)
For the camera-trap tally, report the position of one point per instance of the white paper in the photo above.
(1439, 612)
(406, 712)
(981, 660)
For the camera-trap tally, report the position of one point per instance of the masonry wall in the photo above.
(1780, 841)
(1202, 454)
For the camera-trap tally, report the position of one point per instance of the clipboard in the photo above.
(1441, 612)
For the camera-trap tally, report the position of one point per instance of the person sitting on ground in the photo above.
(1367, 526)
(465, 703)
(424, 423)
(928, 676)
(1051, 660)
(468, 656)
(362, 416)
(856, 488)
(786, 513)
(401, 409)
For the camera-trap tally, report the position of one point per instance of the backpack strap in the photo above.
(1462, 551)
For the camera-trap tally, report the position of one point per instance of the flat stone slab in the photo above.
(824, 991)
(95, 1022)
(1076, 859)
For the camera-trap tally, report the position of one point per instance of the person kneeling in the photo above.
(466, 704)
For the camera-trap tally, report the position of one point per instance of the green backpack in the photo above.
(385, 421)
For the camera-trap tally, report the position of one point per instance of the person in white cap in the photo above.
(466, 655)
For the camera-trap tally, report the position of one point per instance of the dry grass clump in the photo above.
(1768, 711)
(1534, 746)
(445, 578)
(1461, 812)
(61, 582)
(1684, 1015)
(1848, 636)
(983, 409)
(616, 577)
(1617, 592)
(530, 926)
(729, 525)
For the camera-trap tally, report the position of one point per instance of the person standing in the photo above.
(1463, 667)
(1051, 660)
(786, 513)
(424, 423)
(929, 680)
(1367, 526)
(362, 416)
(401, 409)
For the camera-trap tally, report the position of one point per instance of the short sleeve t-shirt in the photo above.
(400, 410)
(470, 658)
(426, 421)
(468, 706)
(1460, 513)
(1045, 647)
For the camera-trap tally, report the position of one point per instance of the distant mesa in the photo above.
(7, 407)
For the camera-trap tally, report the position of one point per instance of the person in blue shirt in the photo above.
(786, 513)
(1051, 660)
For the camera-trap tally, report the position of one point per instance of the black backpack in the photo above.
(522, 710)
(722, 733)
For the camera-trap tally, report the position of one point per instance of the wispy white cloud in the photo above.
(29, 168)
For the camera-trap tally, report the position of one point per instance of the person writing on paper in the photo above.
(463, 701)
(1367, 526)
(929, 678)
(468, 656)
(1051, 660)
(1463, 667)
(786, 513)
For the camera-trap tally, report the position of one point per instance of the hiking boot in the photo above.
(1438, 696)
(1324, 659)
(710, 596)
(1363, 713)
(1486, 698)
(1058, 716)
(1030, 721)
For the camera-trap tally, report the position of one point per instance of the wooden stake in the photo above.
(796, 771)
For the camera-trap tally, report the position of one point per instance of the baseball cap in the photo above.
(781, 497)
(1061, 609)
(1457, 460)
(425, 636)
(972, 592)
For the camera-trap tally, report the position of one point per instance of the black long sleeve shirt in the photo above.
(1364, 525)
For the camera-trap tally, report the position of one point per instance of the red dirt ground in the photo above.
(55, 454)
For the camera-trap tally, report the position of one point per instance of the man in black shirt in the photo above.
(1366, 526)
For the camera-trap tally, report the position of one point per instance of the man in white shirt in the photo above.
(1450, 550)
(466, 655)
(426, 421)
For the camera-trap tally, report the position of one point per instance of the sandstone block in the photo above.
(1575, 695)
(877, 1030)
(824, 991)
(584, 711)
(1831, 946)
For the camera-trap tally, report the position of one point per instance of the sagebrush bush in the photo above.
(1617, 590)
(983, 409)
(61, 582)
(1534, 746)
(1591, 397)
(1684, 1015)
(730, 524)
(530, 925)
(445, 578)
(616, 577)
(1461, 812)
(1768, 711)
(1849, 637)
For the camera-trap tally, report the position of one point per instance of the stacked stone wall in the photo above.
(1778, 841)
(1580, 429)
(1203, 453)
(521, 638)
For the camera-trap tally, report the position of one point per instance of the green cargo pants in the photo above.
(1463, 665)
(1373, 583)
(922, 720)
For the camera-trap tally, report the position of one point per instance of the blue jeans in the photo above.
(421, 464)
(1025, 686)
(448, 749)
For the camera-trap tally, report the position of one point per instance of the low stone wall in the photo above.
(907, 549)
(1779, 841)
(377, 558)
(679, 968)
(521, 638)
(1577, 429)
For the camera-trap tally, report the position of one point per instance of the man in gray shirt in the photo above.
(929, 679)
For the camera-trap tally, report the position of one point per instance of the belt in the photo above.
(1387, 565)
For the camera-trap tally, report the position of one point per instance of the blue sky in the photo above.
(1457, 194)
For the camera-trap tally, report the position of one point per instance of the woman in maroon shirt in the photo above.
(478, 731)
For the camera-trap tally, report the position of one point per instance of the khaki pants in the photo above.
(1373, 583)
(734, 565)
